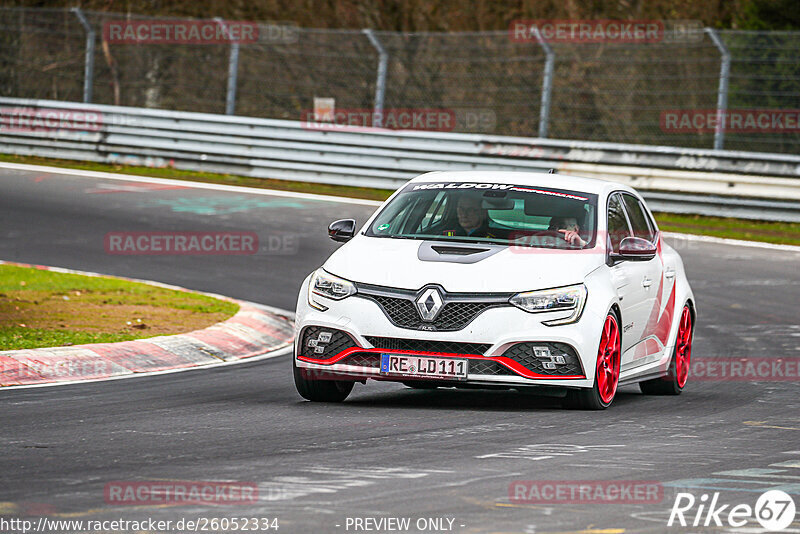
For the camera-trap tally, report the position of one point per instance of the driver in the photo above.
(569, 229)
(473, 221)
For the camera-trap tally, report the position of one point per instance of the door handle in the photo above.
(669, 273)
(647, 282)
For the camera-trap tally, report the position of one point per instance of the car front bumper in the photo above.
(495, 331)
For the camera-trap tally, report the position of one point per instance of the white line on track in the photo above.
(186, 183)
(732, 242)
(324, 198)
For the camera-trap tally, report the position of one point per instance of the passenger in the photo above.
(568, 227)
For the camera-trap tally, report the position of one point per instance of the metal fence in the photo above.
(609, 92)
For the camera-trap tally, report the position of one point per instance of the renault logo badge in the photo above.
(429, 304)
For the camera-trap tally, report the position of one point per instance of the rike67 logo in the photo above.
(774, 511)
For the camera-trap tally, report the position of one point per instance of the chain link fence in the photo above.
(613, 92)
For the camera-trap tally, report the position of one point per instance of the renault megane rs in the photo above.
(498, 279)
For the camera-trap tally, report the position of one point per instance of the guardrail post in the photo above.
(88, 69)
(233, 71)
(722, 92)
(380, 84)
(547, 83)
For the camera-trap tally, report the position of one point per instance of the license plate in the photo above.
(409, 365)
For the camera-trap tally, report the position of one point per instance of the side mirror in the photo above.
(342, 230)
(635, 249)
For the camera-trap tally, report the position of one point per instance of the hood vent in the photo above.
(457, 251)
(452, 253)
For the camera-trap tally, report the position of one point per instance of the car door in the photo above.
(628, 278)
(649, 283)
(623, 273)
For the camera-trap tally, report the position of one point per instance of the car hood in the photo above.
(412, 264)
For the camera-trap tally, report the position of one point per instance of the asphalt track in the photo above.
(388, 451)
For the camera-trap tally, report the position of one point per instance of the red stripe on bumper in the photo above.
(507, 362)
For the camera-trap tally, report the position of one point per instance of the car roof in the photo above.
(538, 179)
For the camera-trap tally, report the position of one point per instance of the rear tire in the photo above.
(606, 377)
(678, 373)
(321, 390)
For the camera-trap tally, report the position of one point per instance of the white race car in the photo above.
(499, 280)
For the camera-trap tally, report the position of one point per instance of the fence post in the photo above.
(233, 71)
(722, 92)
(380, 84)
(547, 83)
(88, 69)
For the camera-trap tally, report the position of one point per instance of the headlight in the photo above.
(549, 300)
(326, 285)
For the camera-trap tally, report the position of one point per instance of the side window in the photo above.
(617, 223)
(639, 219)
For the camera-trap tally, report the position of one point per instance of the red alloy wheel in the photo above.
(608, 359)
(683, 349)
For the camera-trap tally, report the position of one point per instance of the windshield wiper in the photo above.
(394, 236)
(455, 239)
(478, 241)
(451, 239)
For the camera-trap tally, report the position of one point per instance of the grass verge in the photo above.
(764, 231)
(41, 308)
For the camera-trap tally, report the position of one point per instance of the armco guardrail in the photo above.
(750, 185)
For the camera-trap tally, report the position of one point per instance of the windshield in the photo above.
(494, 213)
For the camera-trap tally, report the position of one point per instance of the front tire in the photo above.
(673, 382)
(606, 377)
(320, 390)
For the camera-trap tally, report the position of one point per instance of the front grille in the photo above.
(533, 356)
(488, 367)
(423, 345)
(362, 359)
(323, 342)
(454, 315)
